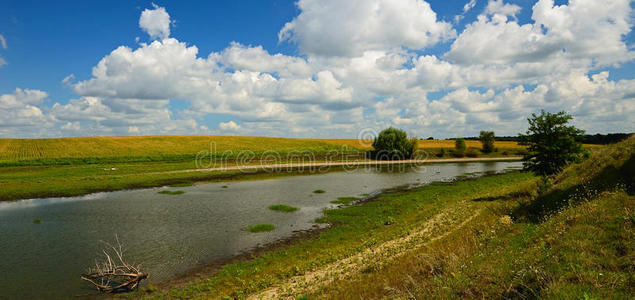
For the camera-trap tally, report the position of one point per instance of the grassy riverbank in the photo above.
(499, 236)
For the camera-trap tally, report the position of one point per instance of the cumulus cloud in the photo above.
(586, 32)
(364, 65)
(21, 115)
(348, 28)
(155, 22)
(228, 126)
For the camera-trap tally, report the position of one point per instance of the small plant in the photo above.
(345, 200)
(167, 192)
(261, 228)
(37, 221)
(319, 191)
(151, 288)
(283, 208)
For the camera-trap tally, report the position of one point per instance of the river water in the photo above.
(170, 234)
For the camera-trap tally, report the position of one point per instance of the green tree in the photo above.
(487, 140)
(393, 144)
(459, 147)
(459, 144)
(552, 143)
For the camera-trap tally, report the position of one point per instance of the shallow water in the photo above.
(169, 234)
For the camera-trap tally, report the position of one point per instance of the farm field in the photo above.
(145, 148)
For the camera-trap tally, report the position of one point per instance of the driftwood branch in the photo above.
(113, 274)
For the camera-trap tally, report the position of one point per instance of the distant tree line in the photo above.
(597, 139)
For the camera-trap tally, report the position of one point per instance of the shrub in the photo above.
(393, 144)
(457, 153)
(471, 152)
(552, 144)
(487, 139)
(441, 153)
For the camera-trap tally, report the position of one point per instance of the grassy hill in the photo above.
(503, 236)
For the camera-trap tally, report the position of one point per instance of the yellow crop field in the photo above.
(110, 147)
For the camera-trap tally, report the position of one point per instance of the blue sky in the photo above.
(48, 41)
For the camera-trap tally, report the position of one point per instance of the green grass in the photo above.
(37, 221)
(521, 241)
(261, 228)
(319, 191)
(166, 192)
(345, 200)
(283, 208)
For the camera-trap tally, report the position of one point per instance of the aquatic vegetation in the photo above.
(261, 228)
(167, 192)
(283, 208)
(319, 191)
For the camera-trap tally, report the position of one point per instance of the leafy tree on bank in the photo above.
(552, 143)
(459, 147)
(487, 140)
(393, 144)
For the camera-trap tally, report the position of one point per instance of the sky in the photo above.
(313, 68)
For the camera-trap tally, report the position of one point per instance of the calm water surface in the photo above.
(169, 234)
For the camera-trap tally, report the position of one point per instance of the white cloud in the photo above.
(155, 22)
(348, 28)
(588, 33)
(71, 126)
(21, 115)
(468, 6)
(228, 126)
(496, 73)
(3, 42)
(495, 7)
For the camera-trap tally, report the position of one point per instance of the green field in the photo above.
(503, 236)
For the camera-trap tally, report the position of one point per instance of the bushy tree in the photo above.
(487, 140)
(393, 144)
(459, 144)
(552, 143)
(459, 147)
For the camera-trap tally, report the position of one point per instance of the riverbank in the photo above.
(26, 182)
(499, 236)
